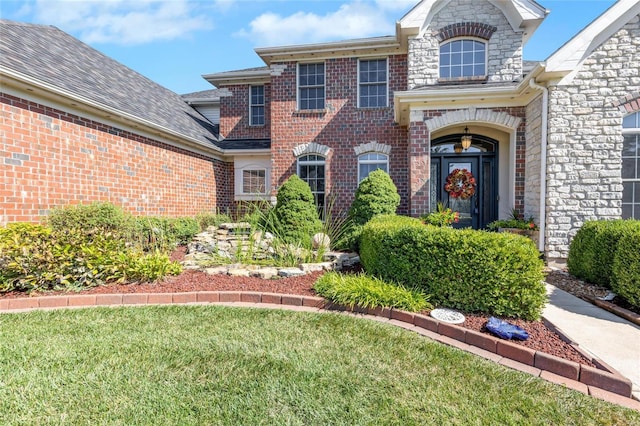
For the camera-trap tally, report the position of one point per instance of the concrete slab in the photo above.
(606, 336)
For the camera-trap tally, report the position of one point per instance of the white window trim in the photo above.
(298, 85)
(252, 169)
(360, 162)
(486, 56)
(386, 82)
(263, 105)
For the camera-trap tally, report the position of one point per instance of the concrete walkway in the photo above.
(600, 333)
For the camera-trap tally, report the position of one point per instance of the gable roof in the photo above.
(54, 62)
(568, 57)
(522, 15)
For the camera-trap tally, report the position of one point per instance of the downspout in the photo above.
(543, 161)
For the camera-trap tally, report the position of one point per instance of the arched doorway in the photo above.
(481, 160)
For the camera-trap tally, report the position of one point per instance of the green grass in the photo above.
(194, 365)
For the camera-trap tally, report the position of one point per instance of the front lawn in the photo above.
(215, 365)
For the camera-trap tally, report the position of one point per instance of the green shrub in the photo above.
(593, 249)
(90, 218)
(34, 257)
(376, 195)
(295, 215)
(475, 271)
(626, 268)
(369, 292)
(164, 233)
(206, 220)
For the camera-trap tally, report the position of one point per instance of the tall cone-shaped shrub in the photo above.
(376, 195)
(296, 215)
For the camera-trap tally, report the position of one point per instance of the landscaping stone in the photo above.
(290, 272)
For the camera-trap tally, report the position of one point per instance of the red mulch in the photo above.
(540, 337)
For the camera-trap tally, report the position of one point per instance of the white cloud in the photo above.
(352, 20)
(124, 21)
(397, 5)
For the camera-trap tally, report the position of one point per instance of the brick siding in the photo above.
(52, 158)
(234, 114)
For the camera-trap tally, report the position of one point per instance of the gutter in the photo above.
(543, 161)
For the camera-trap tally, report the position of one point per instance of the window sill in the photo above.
(257, 125)
(310, 111)
(463, 80)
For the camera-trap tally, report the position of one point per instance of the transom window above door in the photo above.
(463, 58)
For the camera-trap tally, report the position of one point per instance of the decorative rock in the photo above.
(290, 272)
(265, 273)
(314, 267)
(218, 270)
(320, 240)
(448, 315)
(238, 272)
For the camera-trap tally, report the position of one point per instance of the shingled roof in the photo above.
(48, 55)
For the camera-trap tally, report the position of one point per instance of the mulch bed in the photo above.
(541, 338)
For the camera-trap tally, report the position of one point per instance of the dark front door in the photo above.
(480, 162)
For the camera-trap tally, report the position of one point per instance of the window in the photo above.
(631, 167)
(254, 181)
(372, 77)
(311, 170)
(370, 162)
(256, 106)
(310, 86)
(463, 58)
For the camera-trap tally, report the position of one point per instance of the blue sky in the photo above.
(175, 42)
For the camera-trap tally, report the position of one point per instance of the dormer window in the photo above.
(463, 58)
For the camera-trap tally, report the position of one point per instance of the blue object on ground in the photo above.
(506, 330)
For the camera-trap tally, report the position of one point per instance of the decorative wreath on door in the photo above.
(460, 184)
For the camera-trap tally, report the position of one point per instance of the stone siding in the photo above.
(51, 158)
(585, 138)
(533, 156)
(504, 61)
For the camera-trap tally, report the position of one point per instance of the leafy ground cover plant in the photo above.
(208, 365)
(442, 217)
(34, 257)
(515, 221)
(369, 292)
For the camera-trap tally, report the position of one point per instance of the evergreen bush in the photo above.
(594, 247)
(475, 271)
(626, 268)
(295, 215)
(376, 195)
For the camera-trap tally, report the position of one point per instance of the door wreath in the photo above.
(460, 184)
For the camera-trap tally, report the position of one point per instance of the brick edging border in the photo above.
(602, 384)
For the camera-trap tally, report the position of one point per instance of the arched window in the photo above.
(311, 169)
(631, 166)
(371, 161)
(461, 58)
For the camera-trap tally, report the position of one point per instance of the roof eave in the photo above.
(377, 46)
(10, 78)
(239, 77)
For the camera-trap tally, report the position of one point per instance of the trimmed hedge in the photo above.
(592, 250)
(474, 271)
(626, 268)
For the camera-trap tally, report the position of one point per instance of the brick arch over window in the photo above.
(501, 119)
(629, 103)
(466, 29)
(311, 148)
